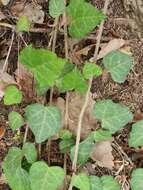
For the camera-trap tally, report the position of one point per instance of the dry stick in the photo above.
(34, 30)
(54, 39)
(26, 133)
(7, 57)
(67, 94)
(53, 49)
(74, 164)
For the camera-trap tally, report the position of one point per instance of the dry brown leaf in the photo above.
(5, 80)
(2, 16)
(126, 49)
(5, 2)
(34, 13)
(25, 79)
(85, 50)
(75, 104)
(102, 154)
(2, 132)
(113, 45)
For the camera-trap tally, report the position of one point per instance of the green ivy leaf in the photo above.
(74, 81)
(30, 152)
(83, 18)
(43, 177)
(45, 65)
(90, 70)
(23, 24)
(32, 57)
(12, 95)
(81, 181)
(137, 179)
(95, 183)
(65, 134)
(101, 135)
(66, 144)
(18, 178)
(15, 120)
(85, 148)
(44, 121)
(113, 116)
(109, 183)
(118, 64)
(56, 7)
(136, 135)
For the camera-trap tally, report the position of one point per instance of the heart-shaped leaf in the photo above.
(109, 183)
(44, 121)
(18, 178)
(91, 70)
(95, 183)
(56, 7)
(43, 177)
(15, 120)
(85, 148)
(12, 95)
(81, 181)
(84, 18)
(101, 135)
(136, 135)
(23, 24)
(73, 81)
(118, 64)
(45, 65)
(29, 151)
(137, 179)
(113, 116)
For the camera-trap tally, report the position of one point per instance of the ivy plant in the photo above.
(49, 71)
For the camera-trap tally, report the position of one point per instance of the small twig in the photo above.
(67, 94)
(74, 164)
(34, 30)
(54, 39)
(8, 54)
(26, 133)
(100, 32)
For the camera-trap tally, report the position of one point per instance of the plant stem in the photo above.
(67, 94)
(74, 164)
(26, 133)
(4, 69)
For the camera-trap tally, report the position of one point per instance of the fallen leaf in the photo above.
(85, 50)
(5, 2)
(113, 45)
(5, 80)
(2, 132)
(102, 154)
(75, 104)
(126, 49)
(25, 79)
(34, 13)
(2, 16)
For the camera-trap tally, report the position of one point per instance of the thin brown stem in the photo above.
(5, 66)
(67, 94)
(74, 164)
(26, 133)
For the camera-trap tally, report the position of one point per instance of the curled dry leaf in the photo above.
(34, 13)
(2, 16)
(113, 45)
(25, 80)
(5, 2)
(102, 154)
(5, 80)
(75, 104)
(2, 132)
